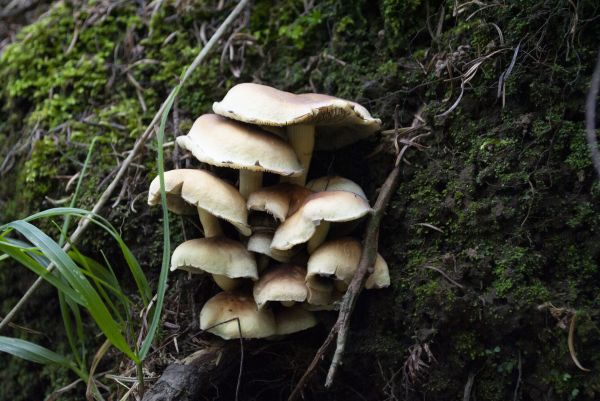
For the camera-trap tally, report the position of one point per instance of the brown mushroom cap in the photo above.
(279, 200)
(294, 319)
(339, 122)
(231, 306)
(226, 143)
(205, 191)
(216, 255)
(332, 206)
(283, 283)
(339, 258)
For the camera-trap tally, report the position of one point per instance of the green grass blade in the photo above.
(138, 275)
(31, 352)
(77, 280)
(29, 262)
(65, 311)
(164, 271)
(67, 222)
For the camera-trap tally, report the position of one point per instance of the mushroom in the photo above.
(283, 283)
(260, 243)
(311, 221)
(335, 183)
(220, 316)
(211, 196)
(338, 260)
(294, 319)
(225, 259)
(279, 200)
(226, 143)
(338, 122)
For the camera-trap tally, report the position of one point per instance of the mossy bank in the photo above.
(492, 238)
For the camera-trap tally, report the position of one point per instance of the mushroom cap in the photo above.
(339, 122)
(226, 143)
(332, 206)
(279, 200)
(260, 242)
(215, 255)
(339, 258)
(226, 306)
(201, 189)
(335, 183)
(294, 319)
(280, 284)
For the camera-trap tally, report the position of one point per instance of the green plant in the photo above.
(84, 283)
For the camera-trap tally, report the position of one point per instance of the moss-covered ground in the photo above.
(492, 237)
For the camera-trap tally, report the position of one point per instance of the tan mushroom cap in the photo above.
(226, 143)
(260, 242)
(283, 283)
(205, 191)
(339, 122)
(335, 183)
(227, 306)
(279, 200)
(216, 255)
(339, 258)
(294, 319)
(331, 206)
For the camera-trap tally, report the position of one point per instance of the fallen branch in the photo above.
(366, 263)
(122, 169)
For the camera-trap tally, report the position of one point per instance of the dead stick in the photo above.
(83, 224)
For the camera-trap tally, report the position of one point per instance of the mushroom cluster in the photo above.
(286, 263)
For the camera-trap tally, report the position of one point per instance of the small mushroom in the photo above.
(283, 283)
(335, 183)
(227, 143)
(220, 316)
(337, 122)
(279, 200)
(261, 243)
(225, 259)
(338, 261)
(311, 221)
(212, 197)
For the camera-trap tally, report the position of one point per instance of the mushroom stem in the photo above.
(250, 181)
(302, 139)
(262, 263)
(226, 283)
(210, 224)
(319, 236)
